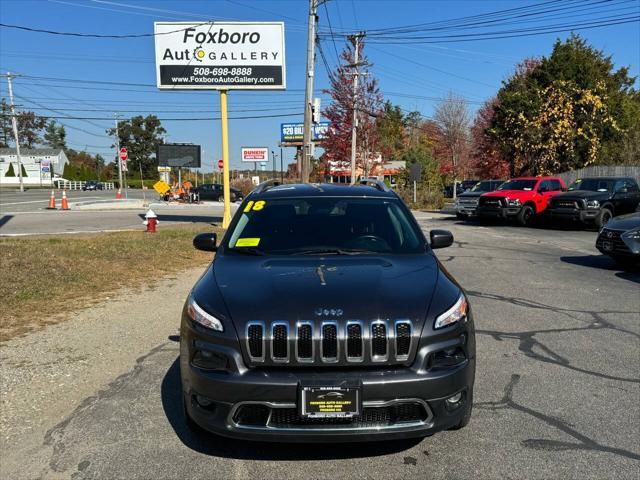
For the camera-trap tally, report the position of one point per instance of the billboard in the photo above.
(178, 155)
(294, 132)
(220, 55)
(255, 154)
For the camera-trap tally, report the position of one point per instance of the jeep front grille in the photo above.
(329, 342)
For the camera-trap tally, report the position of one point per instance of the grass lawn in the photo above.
(45, 277)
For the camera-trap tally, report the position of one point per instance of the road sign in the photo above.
(123, 165)
(220, 164)
(178, 155)
(255, 154)
(415, 172)
(294, 132)
(123, 154)
(220, 56)
(164, 169)
(161, 187)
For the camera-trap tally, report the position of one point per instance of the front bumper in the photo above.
(469, 210)
(498, 212)
(572, 214)
(277, 389)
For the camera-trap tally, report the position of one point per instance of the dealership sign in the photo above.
(255, 154)
(294, 132)
(220, 56)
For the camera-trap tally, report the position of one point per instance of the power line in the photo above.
(335, 48)
(250, 117)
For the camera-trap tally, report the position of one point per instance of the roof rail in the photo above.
(374, 182)
(266, 185)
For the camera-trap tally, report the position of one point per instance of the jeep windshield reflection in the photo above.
(518, 185)
(324, 226)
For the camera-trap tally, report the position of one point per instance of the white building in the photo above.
(38, 163)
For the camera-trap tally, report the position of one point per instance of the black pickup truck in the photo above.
(595, 200)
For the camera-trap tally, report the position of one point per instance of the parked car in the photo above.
(467, 202)
(215, 191)
(350, 329)
(620, 239)
(520, 198)
(595, 200)
(92, 185)
(461, 187)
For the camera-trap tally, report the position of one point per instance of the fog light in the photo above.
(455, 399)
(204, 402)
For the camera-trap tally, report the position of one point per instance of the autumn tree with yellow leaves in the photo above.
(565, 112)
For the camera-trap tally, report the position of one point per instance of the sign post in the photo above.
(226, 216)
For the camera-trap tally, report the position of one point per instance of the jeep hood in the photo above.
(510, 193)
(294, 287)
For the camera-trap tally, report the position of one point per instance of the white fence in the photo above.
(77, 185)
(601, 171)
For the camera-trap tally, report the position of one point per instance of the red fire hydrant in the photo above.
(151, 221)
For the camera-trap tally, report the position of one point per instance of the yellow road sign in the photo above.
(161, 187)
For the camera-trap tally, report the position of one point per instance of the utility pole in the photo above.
(14, 124)
(118, 161)
(354, 124)
(307, 148)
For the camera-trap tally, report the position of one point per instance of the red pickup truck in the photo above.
(521, 198)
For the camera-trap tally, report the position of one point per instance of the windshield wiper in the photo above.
(248, 251)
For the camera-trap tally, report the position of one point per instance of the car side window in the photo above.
(544, 186)
(632, 186)
(620, 184)
(556, 185)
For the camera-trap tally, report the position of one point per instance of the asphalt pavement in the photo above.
(26, 213)
(557, 388)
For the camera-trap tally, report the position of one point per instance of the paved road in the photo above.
(557, 387)
(32, 200)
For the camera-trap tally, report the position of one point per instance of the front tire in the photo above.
(221, 198)
(461, 216)
(603, 217)
(525, 215)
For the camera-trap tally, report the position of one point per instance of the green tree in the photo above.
(30, 127)
(140, 135)
(391, 126)
(55, 135)
(566, 111)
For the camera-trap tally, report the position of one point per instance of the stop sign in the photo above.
(220, 164)
(123, 154)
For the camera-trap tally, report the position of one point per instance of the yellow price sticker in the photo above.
(247, 242)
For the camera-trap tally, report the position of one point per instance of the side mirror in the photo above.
(206, 242)
(441, 238)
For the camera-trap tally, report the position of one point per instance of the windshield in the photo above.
(482, 187)
(593, 185)
(308, 226)
(518, 185)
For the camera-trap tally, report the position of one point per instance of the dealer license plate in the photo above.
(323, 402)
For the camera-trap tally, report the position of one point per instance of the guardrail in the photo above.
(79, 184)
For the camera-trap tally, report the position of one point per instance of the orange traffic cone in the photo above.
(65, 203)
(52, 201)
(118, 195)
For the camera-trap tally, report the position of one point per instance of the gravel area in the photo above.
(45, 375)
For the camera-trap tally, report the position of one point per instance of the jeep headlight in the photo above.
(198, 315)
(454, 314)
(593, 204)
(513, 202)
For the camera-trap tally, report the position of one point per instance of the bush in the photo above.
(426, 200)
(244, 185)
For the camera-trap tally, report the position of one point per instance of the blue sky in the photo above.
(405, 72)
